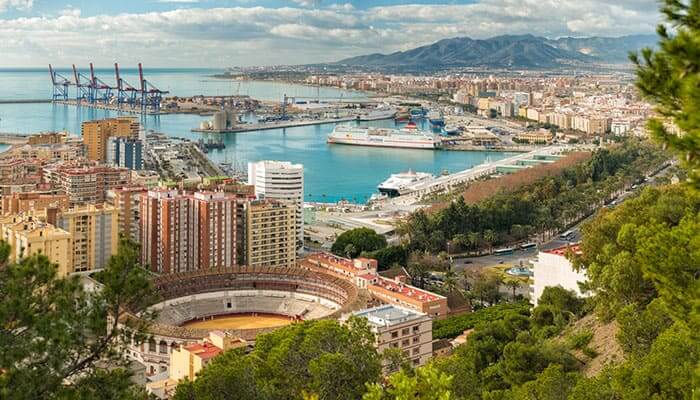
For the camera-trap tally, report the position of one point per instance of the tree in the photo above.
(316, 359)
(428, 383)
(450, 282)
(52, 331)
(513, 284)
(669, 78)
(490, 237)
(486, 288)
(361, 239)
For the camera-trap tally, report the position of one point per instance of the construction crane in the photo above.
(126, 94)
(102, 91)
(84, 87)
(151, 96)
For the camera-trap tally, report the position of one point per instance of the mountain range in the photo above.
(508, 51)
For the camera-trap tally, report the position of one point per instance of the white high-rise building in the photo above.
(282, 181)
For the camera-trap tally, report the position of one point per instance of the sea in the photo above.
(331, 172)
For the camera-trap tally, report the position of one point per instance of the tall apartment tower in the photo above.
(94, 234)
(185, 232)
(270, 234)
(282, 181)
(96, 134)
(127, 201)
(166, 220)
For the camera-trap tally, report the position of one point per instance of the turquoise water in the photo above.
(332, 172)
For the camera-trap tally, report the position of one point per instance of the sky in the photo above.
(226, 33)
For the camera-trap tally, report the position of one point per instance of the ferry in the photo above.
(408, 137)
(378, 114)
(397, 183)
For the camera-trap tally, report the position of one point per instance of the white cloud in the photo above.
(16, 4)
(262, 35)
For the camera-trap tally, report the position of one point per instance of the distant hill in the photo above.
(508, 51)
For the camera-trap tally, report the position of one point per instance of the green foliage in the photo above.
(669, 78)
(389, 256)
(561, 300)
(428, 383)
(53, 331)
(355, 241)
(639, 326)
(580, 340)
(319, 358)
(645, 248)
(542, 207)
(452, 327)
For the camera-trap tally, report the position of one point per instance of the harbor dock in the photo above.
(274, 125)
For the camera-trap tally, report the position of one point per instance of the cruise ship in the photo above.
(397, 183)
(408, 137)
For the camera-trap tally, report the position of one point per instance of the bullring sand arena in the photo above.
(240, 321)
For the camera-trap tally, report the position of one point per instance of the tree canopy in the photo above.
(53, 331)
(317, 358)
(355, 241)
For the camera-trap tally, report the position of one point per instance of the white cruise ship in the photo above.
(408, 137)
(397, 183)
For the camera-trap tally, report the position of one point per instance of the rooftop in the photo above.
(388, 315)
(406, 290)
(204, 350)
(560, 251)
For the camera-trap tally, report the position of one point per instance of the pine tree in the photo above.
(670, 77)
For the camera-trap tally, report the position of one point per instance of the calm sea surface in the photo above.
(332, 172)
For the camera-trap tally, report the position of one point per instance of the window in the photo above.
(416, 361)
(416, 351)
(405, 342)
(405, 331)
(394, 334)
(416, 328)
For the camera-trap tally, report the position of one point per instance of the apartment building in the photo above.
(270, 234)
(94, 232)
(125, 152)
(281, 181)
(127, 201)
(27, 236)
(35, 201)
(552, 268)
(184, 231)
(401, 328)
(96, 134)
(87, 184)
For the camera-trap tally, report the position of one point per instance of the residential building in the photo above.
(184, 231)
(96, 133)
(127, 201)
(401, 328)
(87, 184)
(28, 236)
(125, 152)
(270, 234)
(552, 268)
(94, 232)
(35, 201)
(283, 181)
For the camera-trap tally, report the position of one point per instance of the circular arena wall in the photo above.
(301, 294)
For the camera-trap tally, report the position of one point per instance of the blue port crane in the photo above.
(60, 85)
(102, 91)
(83, 86)
(151, 96)
(126, 94)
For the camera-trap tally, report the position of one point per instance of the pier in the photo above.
(274, 125)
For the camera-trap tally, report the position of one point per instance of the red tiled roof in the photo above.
(204, 350)
(406, 290)
(560, 251)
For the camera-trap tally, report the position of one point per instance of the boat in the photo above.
(397, 184)
(408, 137)
(403, 114)
(451, 130)
(378, 114)
(436, 119)
(416, 112)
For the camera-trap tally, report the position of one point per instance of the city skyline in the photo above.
(220, 33)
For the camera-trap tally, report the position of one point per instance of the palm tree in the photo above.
(474, 238)
(450, 283)
(514, 284)
(490, 238)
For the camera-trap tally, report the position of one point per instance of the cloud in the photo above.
(16, 4)
(257, 35)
